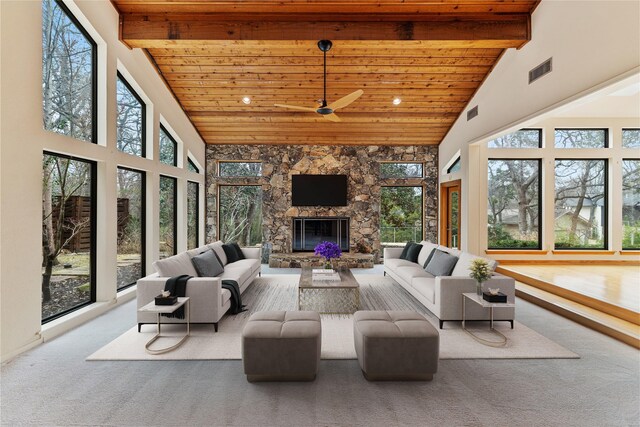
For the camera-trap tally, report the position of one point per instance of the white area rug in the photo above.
(279, 292)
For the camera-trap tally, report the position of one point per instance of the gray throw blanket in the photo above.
(236, 299)
(177, 286)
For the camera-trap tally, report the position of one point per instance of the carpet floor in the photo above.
(279, 292)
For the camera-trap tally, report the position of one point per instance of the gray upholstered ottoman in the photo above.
(282, 346)
(396, 345)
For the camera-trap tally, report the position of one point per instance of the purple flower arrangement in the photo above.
(328, 250)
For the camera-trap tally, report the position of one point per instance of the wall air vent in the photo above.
(472, 113)
(540, 70)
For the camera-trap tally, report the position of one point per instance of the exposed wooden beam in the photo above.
(325, 6)
(182, 30)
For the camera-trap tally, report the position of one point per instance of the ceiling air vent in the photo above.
(472, 113)
(540, 70)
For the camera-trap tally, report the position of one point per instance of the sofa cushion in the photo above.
(405, 250)
(407, 273)
(413, 252)
(175, 266)
(427, 249)
(231, 252)
(464, 263)
(238, 250)
(207, 264)
(217, 248)
(425, 286)
(394, 263)
(451, 251)
(198, 251)
(426, 261)
(241, 270)
(441, 264)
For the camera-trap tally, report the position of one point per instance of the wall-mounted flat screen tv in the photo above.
(319, 190)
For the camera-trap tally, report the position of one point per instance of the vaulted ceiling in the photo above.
(432, 55)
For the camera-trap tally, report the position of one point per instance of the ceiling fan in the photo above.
(327, 110)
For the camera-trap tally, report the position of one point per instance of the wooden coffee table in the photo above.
(341, 296)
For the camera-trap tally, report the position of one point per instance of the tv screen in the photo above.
(319, 190)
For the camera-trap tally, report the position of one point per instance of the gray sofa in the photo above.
(209, 301)
(443, 295)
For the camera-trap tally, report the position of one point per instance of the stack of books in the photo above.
(324, 274)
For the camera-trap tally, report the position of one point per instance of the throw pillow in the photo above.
(231, 253)
(207, 264)
(424, 266)
(238, 250)
(403, 255)
(413, 252)
(441, 264)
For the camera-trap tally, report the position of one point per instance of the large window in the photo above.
(168, 148)
(239, 169)
(631, 204)
(524, 138)
(581, 204)
(131, 226)
(68, 74)
(631, 138)
(68, 234)
(581, 138)
(168, 209)
(514, 204)
(240, 214)
(401, 214)
(193, 217)
(130, 119)
(401, 170)
(192, 166)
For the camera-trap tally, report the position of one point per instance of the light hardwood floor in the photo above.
(614, 284)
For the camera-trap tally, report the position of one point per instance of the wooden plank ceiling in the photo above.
(432, 55)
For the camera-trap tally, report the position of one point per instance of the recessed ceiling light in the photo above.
(246, 100)
(397, 101)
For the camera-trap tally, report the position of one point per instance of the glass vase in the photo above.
(479, 289)
(327, 265)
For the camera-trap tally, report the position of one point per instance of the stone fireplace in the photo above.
(361, 164)
(308, 232)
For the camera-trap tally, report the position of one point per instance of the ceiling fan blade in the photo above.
(346, 100)
(293, 107)
(332, 117)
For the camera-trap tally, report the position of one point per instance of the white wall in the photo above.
(23, 141)
(593, 44)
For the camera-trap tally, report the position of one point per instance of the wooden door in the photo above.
(450, 209)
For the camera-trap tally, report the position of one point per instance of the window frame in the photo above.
(605, 218)
(175, 146)
(622, 140)
(622, 248)
(422, 208)
(540, 143)
(197, 213)
(221, 162)
(143, 135)
(456, 162)
(143, 224)
(219, 198)
(540, 199)
(192, 164)
(606, 140)
(382, 176)
(94, 71)
(93, 233)
(175, 212)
